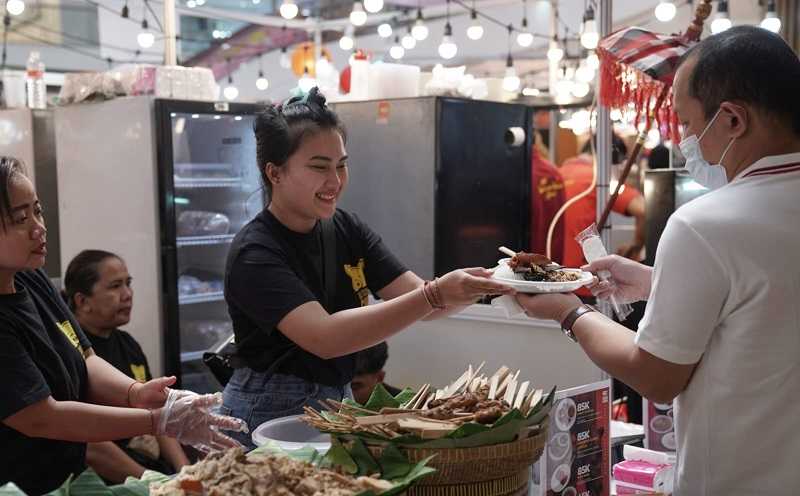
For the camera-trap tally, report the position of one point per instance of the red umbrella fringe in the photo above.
(621, 85)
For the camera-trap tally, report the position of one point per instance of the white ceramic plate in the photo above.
(505, 274)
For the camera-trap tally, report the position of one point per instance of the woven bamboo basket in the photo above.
(456, 466)
(514, 485)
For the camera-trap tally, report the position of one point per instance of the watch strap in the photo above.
(572, 317)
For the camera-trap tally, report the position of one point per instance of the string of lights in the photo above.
(576, 72)
(74, 49)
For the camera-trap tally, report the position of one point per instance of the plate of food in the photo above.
(534, 273)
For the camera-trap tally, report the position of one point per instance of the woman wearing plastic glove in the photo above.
(293, 347)
(55, 393)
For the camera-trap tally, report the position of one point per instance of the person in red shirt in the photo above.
(577, 173)
(547, 196)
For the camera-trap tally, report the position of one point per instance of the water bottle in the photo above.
(34, 81)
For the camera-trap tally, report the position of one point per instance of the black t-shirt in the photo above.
(41, 354)
(122, 351)
(272, 270)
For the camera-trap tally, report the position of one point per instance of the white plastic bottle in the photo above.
(34, 82)
(359, 76)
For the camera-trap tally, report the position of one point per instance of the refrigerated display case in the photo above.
(444, 181)
(210, 187)
(166, 184)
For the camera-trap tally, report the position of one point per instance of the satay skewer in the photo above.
(507, 251)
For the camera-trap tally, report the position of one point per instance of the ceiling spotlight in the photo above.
(373, 6)
(589, 35)
(145, 38)
(358, 17)
(15, 7)
(475, 29)
(555, 53)
(385, 30)
(288, 9)
(397, 51)
(771, 20)
(420, 30)
(722, 20)
(665, 11)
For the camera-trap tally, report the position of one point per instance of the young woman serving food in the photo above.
(299, 275)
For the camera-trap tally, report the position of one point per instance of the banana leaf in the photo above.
(87, 483)
(392, 466)
(381, 398)
(11, 489)
(470, 435)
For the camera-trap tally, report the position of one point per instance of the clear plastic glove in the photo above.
(466, 286)
(631, 280)
(187, 417)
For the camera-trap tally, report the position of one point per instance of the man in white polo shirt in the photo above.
(721, 333)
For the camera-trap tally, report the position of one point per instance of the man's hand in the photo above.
(548, 306)
(632, 280)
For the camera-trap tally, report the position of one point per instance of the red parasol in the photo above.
(637, 67)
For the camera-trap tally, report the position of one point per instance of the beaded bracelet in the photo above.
(437, 293)
(425, 294)
(153, 430)
(128, 394)
(431, 294)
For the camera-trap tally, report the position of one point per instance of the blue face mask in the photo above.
(708, 175)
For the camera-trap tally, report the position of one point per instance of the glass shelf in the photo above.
(191, 356)
(204, 240)
(201, 298)
(207, 182)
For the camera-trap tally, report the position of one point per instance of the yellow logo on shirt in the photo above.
(359, 281)
(69, 332)
(139, 372)
(549, 188)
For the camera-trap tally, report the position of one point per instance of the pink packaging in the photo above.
(644, 474)
(623, 489)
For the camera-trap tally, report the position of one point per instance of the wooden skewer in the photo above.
(493, 388)
(511, 390)
(507, 251)
(536, 396)
(424, 392)
(521, 394)
(341, 405)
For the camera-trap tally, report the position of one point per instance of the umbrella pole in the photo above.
(632, 158)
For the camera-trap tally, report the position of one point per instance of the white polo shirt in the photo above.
(726, 294)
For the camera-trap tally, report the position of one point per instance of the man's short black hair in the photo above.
(747, 64)
(372, 359)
